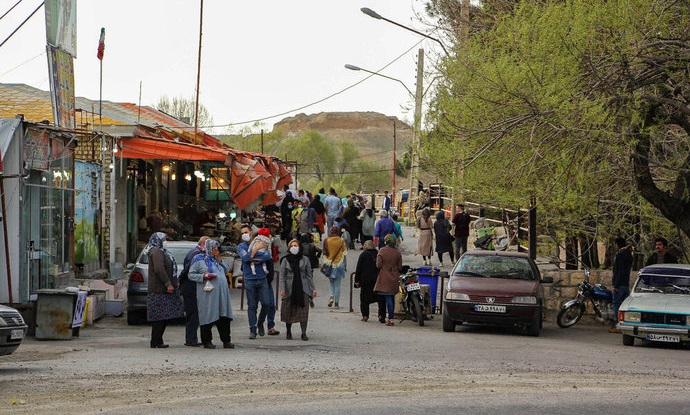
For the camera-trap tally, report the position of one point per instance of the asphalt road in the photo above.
(347, 366)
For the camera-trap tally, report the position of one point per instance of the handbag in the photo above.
(327, 269)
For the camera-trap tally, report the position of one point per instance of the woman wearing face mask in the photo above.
(296, 289)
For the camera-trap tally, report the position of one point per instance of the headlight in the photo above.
(633, 316)
(457, 296)
(525, 300)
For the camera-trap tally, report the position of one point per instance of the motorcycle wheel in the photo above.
(417, 310)
(569, 316)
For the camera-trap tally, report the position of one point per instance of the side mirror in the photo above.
(547, 280)
(129, 267)
(404, 269)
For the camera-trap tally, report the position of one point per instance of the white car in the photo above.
(12, 329)
(658, 308)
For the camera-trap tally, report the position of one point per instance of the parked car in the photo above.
(495, 288)
(137, 288)
(12, 330)
(658, 308)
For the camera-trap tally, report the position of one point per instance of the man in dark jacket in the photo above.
(188, 290)
(383, 227)
(461, 220)
(661, 256)
(622, 263)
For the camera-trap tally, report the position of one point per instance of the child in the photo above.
(264, 235)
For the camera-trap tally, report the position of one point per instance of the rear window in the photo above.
(178, 252)
(495, 267)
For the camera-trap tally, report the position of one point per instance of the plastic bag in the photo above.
(208, 287)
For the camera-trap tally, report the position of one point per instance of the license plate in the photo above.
(490, 308)
(414, 287)
(664, 338)
(16, 334)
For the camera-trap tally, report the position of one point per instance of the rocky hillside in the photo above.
(371, 132)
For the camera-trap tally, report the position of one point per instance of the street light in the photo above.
(377, 16)
(357, 68)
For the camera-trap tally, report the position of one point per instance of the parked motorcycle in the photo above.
(599, 296)
(413, 301)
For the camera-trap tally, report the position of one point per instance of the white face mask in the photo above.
(246, 237)
(294, 250)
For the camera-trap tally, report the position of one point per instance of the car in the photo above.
(489, 287)
(137, 287)
(658, 307)
(12, 330)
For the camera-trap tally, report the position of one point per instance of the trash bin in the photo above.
(429, 275)
(55, 314)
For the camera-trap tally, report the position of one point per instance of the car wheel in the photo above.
(448, 324)
(535, 326)
(628, 340)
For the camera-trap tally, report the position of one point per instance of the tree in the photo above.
(184, 109)
(588, 116)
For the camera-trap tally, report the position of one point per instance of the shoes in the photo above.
(390, 323)
(252, 335)
(304, 337)
(440, 265)
(159, 346)
(273, 332)
(382, 320)
(228, 345)
(614, 330)
(336, 306)
(209, 346)
(330, 302)
(288, 336)
(261, 330)
(365, 318)
(196, 344)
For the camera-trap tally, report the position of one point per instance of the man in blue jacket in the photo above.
(255, 284)
(383, 227)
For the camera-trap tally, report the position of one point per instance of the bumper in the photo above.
(521, 315)
(641, 331)
(136, 300)
(7, 343)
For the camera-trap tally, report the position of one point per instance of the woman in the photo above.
(163, 301)
(365, 279)
(444, 240)
(425, 240)
(296, 289)
(212, 294)
(351, 216)
(334, 252)
(368, 224)
(389, 263)
(320, 209)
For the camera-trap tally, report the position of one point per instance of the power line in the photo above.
(7, 12)
(19, 27)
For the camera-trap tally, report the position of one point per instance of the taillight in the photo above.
(136, 277)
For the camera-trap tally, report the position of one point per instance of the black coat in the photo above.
(366, 275)
(444, 240)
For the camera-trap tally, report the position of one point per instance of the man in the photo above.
(386, 201)
(461, 220)
(383, 227)
(661, 256)
(332, 205)
(622, 263)
(255, 284)
(268, 310)
(188, 290)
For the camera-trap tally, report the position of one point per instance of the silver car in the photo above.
(12, 329)
(658, 308)
(137, 289)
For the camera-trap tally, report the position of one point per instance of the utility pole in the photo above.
(395, 157)
(414, 162)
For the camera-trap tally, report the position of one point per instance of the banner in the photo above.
(61, 25)
(61, 72)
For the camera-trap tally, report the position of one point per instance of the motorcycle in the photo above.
(413, 301)
(599, 296)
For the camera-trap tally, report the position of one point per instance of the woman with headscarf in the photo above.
(296, 289)
(368, 220)
(389, 263)
(425, 240)
(351, 216)
(365, 279)
(320, 209)
(334, 253)
(212, 295)
(444, 240)
(163, 302)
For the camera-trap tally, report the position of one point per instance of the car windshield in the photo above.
(178, 252)
(495, 267)
(666, 284)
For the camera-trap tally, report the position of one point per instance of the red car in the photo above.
(496, 288)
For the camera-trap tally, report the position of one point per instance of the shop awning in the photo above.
(154, 149)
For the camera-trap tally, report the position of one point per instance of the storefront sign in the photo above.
(61, 70)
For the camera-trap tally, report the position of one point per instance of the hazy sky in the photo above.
(260, 58)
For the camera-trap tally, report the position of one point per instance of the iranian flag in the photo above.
(101, 44)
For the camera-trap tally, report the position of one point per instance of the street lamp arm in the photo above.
(357, 68)
(377, 16)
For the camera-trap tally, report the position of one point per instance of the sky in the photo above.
(261, 59)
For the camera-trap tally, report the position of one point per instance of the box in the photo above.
(114, 307)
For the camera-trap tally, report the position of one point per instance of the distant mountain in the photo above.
(371, 132)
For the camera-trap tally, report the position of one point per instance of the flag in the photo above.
(101, 44)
